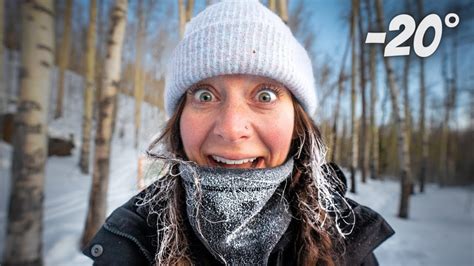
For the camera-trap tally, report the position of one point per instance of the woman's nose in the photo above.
(233, 123)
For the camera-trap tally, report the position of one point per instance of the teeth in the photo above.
(227, 161)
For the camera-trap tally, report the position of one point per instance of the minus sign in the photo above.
(375, 37)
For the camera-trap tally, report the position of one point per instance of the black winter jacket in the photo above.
(127, 238)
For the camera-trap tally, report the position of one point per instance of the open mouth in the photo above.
(241, 163)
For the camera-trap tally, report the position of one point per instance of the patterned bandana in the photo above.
(238, 214)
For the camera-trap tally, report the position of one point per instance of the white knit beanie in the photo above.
(239, 37)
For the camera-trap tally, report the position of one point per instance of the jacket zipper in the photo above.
(133, 239)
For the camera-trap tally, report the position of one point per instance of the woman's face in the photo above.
(237, 121)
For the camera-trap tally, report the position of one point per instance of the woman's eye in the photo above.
(266, 96)
(203, 95)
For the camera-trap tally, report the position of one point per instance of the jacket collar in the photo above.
(369, 232)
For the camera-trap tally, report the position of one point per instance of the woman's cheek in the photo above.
(278, 134)
(192, 134)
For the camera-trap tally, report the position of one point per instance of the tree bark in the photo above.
(403, 151)
(406, 107)
(406, 95)
(107, 105)
(374, 135)
(185, 10)
(100, 55)
(445, 125)
(354, 126)
(25, 212)
(89, 89)
(422, 124)
(138, 82)
(272, 5)
(341, 154)
(283, 10)
(64, 58)
(450, 98)
(189, 10)
(340, 85)
(363, 125)
(3, 87)
(182, 17)
(452, 105)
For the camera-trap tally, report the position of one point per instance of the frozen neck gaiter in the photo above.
(238, 214)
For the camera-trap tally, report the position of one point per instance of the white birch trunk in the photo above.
(340, 84)
(189, 10)
(182, 17)
(89, 89)
(63, 60)
(25, 213)
(3, 87)
(422, 124)
(138, 82)
(283, 10)
(363, 119)
(373, 134)
(403, 151)
(107, 105)
(354, 124)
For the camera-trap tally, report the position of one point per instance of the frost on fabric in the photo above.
(242, 213)
(239, 192)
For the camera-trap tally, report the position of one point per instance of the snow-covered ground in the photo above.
(66, 188)
(440, 230)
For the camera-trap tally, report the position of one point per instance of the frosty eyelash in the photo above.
(194, 88)
(275, 90)
(271, 87)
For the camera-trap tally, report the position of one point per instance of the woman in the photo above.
(244, 180)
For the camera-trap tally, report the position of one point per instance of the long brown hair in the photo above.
(316, 237)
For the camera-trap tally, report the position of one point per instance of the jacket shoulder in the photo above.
(369, 232)
(125, 238)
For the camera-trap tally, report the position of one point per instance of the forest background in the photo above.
(404, 118)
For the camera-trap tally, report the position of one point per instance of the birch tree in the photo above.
(406, 92)
(422, 131)
(185, 9)
(340, 84)
(107, 105)
(403, 151)
(272, 5)
(100, 53)
(341, 154)
(363, 119)
(23, 245)
(138, 79)
(280, 7)
(3, 87)
(283, 10)
(374, 135)
(189, 10)
(354, 126)
(449, 103)
(89, 88)
(445, 126)
(63, 60)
